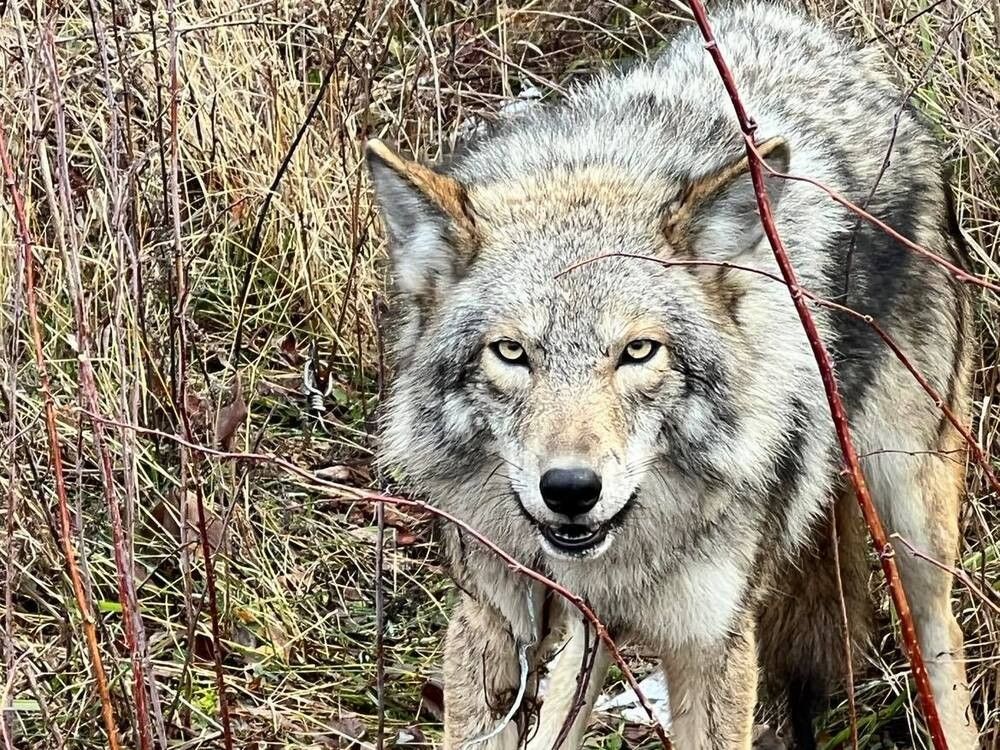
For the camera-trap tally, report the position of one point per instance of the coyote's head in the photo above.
(540, 389)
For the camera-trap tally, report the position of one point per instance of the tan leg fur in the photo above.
(713, 693)
(481, 675)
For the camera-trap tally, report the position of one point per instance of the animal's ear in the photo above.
(716, 215)
(432, 232)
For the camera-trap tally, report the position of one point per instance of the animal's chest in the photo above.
(697, 604)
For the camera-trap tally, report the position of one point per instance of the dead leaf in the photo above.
(635, 735)
(337, 473)
(215, 530)
(197, 409)
(406, 538)
(203, 648)
(168, 514)
(230, 417)
(238, 210)
(281, 641)
(290, 350)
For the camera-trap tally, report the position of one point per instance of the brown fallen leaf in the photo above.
(407, 538)
(168, 514)
(196, 407)
(348, 729)
(230, 417)
(290, 350)
(635, 735)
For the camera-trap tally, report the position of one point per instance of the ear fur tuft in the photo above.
(716, 215)
(431, 228)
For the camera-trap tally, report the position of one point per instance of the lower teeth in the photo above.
(575, 537)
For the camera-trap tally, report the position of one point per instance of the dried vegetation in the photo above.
(215, 304)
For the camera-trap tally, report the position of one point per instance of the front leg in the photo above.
(481, 678)
(713, 693)
(574, 685)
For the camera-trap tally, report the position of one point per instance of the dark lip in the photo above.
(578, 539)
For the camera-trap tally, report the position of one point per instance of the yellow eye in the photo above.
(510, 351)
(639, 351)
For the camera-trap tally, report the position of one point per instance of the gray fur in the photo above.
(731, 454)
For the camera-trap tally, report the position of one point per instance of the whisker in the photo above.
(491, 475)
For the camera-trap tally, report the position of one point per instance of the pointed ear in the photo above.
(716, 216)
(432, 232)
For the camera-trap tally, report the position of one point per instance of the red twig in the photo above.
(374, 497)
(181, 313)
(55, 451)
(959, 273)
(879, 539)
(978, 454)
(131, 618)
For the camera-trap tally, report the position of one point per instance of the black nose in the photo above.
(570, 491)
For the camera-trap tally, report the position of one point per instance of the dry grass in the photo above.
(295, 566)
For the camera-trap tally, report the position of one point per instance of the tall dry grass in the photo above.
(152, 277)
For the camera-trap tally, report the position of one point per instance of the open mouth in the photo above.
(578, 539)
(575, 538)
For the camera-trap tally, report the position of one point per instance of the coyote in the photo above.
(656, 437)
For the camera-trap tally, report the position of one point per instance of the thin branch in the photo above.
(884, 35)
(250, 259)
(380, 624)
(180, 274)
(962, 576)
(897, 118)
(846, 623)
(11, 342)
(10, 547)
(135, 635)
(55, 450)
(587, 661)
(978, 453)
(368, 496)
(959, 273)
(883, 547)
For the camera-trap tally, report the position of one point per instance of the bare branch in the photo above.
(883, 547)
(55, 451)
(368, 496)
(180, 272)
(959, 273)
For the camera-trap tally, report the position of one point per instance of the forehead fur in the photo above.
(587, 309)
(604, 188)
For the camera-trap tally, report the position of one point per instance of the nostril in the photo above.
(570, 491)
